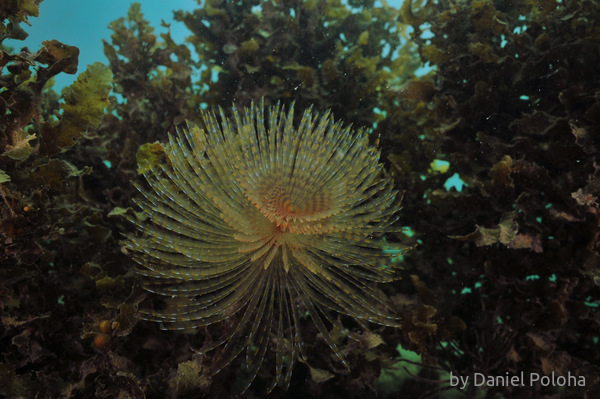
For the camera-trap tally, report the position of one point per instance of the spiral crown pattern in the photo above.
(257, 221)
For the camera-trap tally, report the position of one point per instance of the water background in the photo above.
(84, 24)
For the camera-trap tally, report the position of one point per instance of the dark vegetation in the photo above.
(505, 272)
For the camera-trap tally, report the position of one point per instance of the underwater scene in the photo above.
(303, 199)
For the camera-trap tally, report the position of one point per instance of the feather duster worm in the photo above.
(259, 222)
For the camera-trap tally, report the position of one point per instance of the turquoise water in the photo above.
(84, 24)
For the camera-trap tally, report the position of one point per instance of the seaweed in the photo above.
(512, 108)
(504, 274)
(49, 228)
(318, 53)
